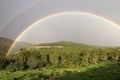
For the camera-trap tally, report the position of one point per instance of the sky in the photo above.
(17, 15)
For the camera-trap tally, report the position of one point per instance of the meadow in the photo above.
(102, 71)
(66, 63)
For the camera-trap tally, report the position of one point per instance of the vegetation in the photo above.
(66, 63)
(102, 71)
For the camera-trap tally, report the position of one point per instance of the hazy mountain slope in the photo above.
(5, 44)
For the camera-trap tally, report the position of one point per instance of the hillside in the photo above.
(65, 44)
(20, 45)
(5, 43)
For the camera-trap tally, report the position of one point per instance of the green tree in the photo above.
(59, 59)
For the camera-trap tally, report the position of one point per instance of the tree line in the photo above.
(57, 58)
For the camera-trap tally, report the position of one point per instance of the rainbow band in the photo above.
(57, 14)
(17, 15)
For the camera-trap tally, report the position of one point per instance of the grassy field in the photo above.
(73, 62)
(103, 71)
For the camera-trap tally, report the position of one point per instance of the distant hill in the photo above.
(65, 44)
(5, 44)
(20, 45)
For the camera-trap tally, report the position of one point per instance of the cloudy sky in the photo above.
(17, 15)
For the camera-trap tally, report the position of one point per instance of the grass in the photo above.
(103, 71)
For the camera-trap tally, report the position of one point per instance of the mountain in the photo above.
(65, 44)
(5, 44)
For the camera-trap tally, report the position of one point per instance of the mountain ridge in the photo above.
(65, 44)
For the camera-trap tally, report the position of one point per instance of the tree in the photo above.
(59, 59)
(48, 59)
(3, 62)
(109, 57)
(90, 59)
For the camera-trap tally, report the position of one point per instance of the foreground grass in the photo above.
(103, 71)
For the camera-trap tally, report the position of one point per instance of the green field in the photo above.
(103, 71)
(71, 62)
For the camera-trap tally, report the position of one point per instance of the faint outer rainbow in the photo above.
(57, 14)
(7, 22)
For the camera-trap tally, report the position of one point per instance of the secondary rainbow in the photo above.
(19, 13)
(57, 14)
